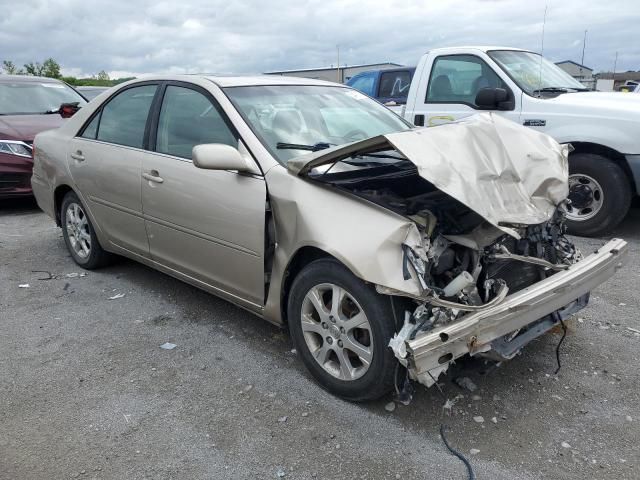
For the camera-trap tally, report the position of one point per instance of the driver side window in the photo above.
(458, 78)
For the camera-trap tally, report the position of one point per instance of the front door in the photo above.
(106, 164)
(206, 224)
(452, 87)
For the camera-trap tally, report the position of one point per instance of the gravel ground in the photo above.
(86, 392)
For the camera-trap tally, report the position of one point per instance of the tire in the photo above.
(600, 193)
(365, 380)
(79, 235)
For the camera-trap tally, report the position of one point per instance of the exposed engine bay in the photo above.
(464, 263)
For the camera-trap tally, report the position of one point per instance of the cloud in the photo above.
(145, 36)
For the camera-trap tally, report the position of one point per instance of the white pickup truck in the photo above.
(604, 128)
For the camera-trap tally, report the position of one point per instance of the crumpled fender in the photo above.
(364, 236)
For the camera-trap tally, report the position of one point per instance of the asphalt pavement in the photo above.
(87, 392)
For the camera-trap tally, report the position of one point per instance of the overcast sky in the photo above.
(130, 37)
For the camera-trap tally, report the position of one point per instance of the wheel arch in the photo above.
(300, 259)
(58, 195)
(611, 154)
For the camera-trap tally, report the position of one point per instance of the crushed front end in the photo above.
(485, 247)
(489, 293)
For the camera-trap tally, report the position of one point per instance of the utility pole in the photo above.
(615, 64)
(338, 64)
(584, 43)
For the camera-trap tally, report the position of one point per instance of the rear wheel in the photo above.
(79, 234)
(600, 195)
(342, 327)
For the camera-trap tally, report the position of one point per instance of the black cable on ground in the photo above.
(564, 334)
(472, 476)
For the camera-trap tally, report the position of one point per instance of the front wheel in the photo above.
(341, 327)
(600, 195)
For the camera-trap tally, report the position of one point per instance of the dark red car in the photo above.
(28, 106)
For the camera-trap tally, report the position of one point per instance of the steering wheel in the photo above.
(356, 134)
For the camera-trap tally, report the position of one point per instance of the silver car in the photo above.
(387, 251)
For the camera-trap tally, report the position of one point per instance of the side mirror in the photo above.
(218, 156)
(493, 99)
(67, 110)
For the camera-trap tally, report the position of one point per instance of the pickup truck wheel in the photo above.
(600, 195)
(79, 235)
(341, 328)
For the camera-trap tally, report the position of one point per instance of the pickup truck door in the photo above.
(447, 88)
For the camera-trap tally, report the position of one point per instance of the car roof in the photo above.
(27, 79)
(238, 81)
(482, 48)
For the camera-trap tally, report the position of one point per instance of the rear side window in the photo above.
(364, 84)
(124, 118)
(188, 118)
(458, 78)
(395, 84)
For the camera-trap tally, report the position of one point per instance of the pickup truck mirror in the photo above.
(217, 156)
(493, 99)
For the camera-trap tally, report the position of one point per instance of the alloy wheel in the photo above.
(77, 227)
(337, 331)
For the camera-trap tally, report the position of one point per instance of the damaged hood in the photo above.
(503, 171)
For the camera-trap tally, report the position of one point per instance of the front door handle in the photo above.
(78, 156)
(153, 176)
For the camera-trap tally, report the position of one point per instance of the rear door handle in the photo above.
(78, 156)
(153, 176)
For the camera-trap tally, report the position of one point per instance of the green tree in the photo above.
(50, 68)
(10, 68)
(103, 76)
(32, 68)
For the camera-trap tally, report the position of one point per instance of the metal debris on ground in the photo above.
(75, 275)
(24, 285)
(49, 276)
(465, 383)
(168, 346)
(390, 407)
(450, 402)
(116, 296)
(474, 451)
(282, 419)
(478, 419)
(280, 473)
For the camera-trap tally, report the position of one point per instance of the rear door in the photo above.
(206, 224)
(105, 161)
(451, 87)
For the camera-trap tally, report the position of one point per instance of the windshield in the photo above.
(534, 73)
(291, 120)
(32, 97)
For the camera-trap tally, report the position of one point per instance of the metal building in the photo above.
(334, 74)
(581, 73)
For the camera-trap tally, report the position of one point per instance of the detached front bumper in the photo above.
(431, 352)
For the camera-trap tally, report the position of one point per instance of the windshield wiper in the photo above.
(559, 90)
(310, 148)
